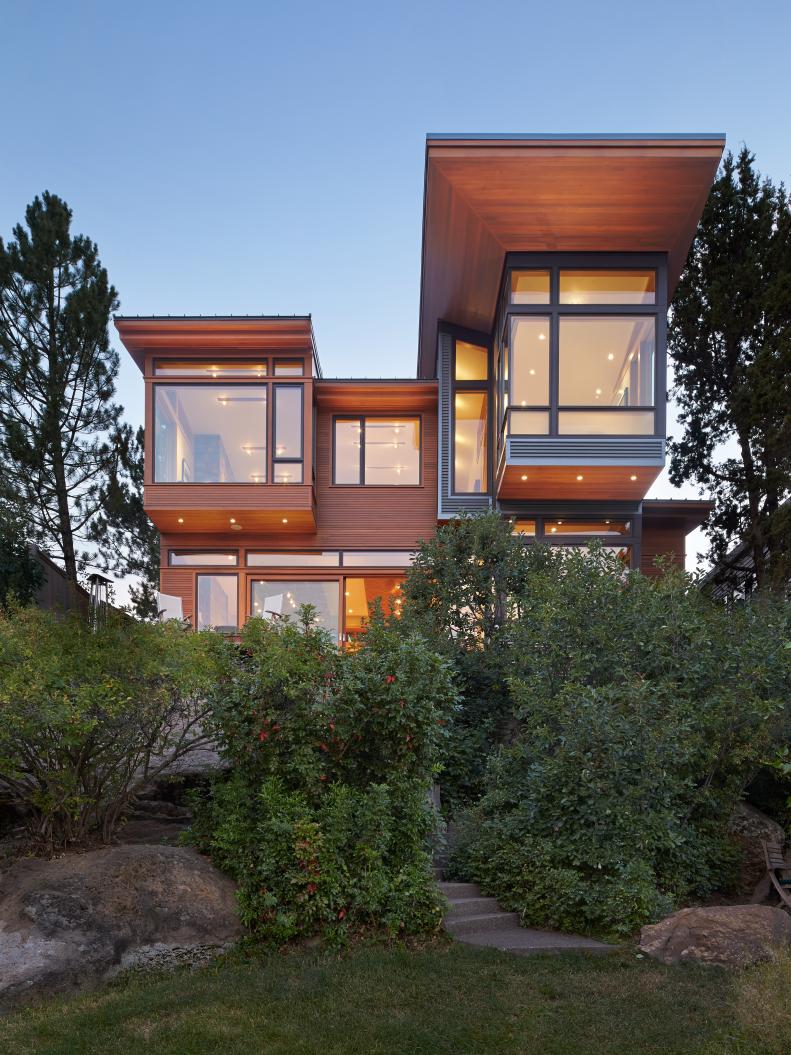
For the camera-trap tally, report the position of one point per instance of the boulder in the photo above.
(730, 935)
(80, 918)
(751, 828)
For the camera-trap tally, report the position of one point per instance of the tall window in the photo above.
(287, 431)
(217, 602)
(377, 451)
(470, 401)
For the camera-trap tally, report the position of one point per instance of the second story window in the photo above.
(379, 451)
(470, 405)
(210, 434)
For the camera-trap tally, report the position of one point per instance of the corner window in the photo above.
(210, 434)
(376, 451)
(607, 361)
(217, 602)
(470, 411)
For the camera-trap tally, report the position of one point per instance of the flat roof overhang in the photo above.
(205, 335)
(487, 195)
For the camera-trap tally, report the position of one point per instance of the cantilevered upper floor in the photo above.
(548, 265)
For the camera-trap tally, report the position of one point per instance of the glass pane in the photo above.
(293, 560)
(210, 434)
(530, 287)
(207, 368)
(472, 362)
(392, 451)
(288, 368)
(524, 527)
(284, 599)
(287, 472)
(470, 438)
(217, 596)
(288, 421)
(530, 365)
(348, 440)
(528, 423)
(607, 287)
(606, 423)
(190, 558)
(607, 360)
(624, 553)
(360, 594)
(377, 558)
(588, 527)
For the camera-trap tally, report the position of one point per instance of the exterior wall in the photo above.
(662, 538)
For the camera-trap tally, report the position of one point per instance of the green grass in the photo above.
(442, 1001)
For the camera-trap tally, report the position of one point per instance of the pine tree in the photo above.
(127, 540)
(57, 377)
(730, 342)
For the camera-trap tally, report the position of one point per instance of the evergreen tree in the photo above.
(128, 542)
(57, 377)
(20, 574)
(730, 342)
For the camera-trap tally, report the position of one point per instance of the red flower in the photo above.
(312, 888)
(342, 913)
(390, 679)
(263, 735)
(323, 776)
(323, 747)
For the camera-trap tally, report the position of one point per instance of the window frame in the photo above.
(274, 459)
(470, 337)
(554, 310)
(361, 419)
(543, 535)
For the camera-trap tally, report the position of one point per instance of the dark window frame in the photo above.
(290, 459)
(556, 262)
(361, 420)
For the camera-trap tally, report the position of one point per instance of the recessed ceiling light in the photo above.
(532, 373)
(632, 477)
(579, 477)
(524, 477)
(542, 336)
(233, 520)
(611, 357)
(553, 530)
(285, 520)
(181, 520)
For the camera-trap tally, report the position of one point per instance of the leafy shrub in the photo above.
(325, 817)
(641, 710)
(87, 717)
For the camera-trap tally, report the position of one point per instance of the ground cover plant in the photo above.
(87, 715)
(445, 1000)
(635, 712)
(324, 820)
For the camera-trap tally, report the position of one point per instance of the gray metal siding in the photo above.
(585, 450)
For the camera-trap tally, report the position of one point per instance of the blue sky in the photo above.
(268, 158)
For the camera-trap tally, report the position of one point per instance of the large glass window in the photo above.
(472, 362)
(217, 602)
(209, 434)
(607, 286)
(470, 442)
(530, 346)
(283, 598)
(607, 361)
(377, 451)
(360, 593)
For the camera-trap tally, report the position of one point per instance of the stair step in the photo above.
(472, 906)
(524, 941)
(459, 890)
(459, 926)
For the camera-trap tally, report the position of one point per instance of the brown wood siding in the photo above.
(179, 582)
(662, 538)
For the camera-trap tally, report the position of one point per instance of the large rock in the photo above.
(751, 829)
(731, 935)
(71, 921)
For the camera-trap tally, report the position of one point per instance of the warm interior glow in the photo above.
(530, 287)
(470, 433)
(607, 286)
(472, 362)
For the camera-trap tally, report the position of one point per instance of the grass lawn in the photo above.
(453, 1000)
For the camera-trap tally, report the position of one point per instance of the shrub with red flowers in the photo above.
(324, 817)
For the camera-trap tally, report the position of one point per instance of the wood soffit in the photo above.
(485, 197)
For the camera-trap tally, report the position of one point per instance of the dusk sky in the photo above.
(246, 158)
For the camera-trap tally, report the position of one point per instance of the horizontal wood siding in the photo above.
(662, 538)
(179, 582)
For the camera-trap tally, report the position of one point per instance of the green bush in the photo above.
(641, 710)
(324, 820)
(87, 717)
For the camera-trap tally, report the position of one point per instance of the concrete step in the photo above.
(524, 941)
(453, 891)
(472, 906)
(461, 926)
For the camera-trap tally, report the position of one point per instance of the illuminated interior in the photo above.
(377, 451)
(470, 442)
(607, 286)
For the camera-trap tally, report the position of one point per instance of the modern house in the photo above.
(548, 263)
